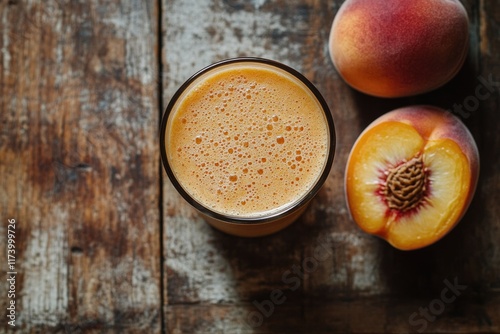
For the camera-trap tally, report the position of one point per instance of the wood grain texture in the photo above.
(374, 315)
(214, 281)
(79, 164)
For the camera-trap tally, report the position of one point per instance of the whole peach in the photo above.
(395, 48)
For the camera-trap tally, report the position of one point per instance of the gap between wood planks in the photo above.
(160, 164)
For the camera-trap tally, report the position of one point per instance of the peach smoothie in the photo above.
(247, 140)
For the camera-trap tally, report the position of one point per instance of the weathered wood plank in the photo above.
(488, 232)
(79, 163)
(224, 29)
(379, 315)
(226, 274)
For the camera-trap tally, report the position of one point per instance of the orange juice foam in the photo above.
(247, 140)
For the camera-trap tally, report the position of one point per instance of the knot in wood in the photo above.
(406, 185)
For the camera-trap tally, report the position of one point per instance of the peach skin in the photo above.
(396, 48)
(411, 176)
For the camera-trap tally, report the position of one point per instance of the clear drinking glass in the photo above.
(246, 107)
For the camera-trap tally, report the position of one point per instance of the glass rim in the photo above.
(266, 218)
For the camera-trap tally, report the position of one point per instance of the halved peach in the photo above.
(411, 176)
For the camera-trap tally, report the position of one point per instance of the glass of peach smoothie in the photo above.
(248, 142)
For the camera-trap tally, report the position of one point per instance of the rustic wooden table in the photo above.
(103, 243)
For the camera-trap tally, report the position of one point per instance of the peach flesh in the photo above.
(395, 48)
(433, 159)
